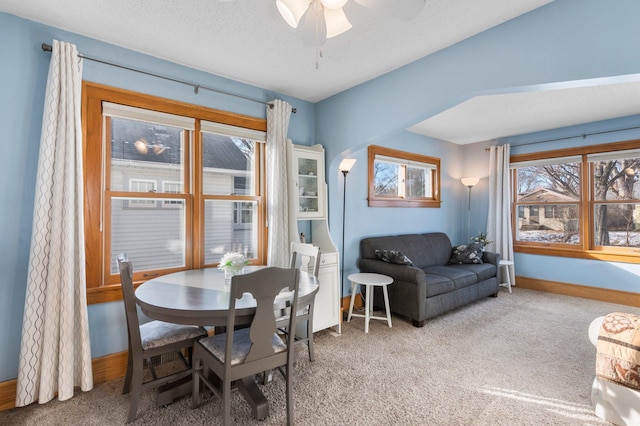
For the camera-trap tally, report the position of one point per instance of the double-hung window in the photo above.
(615, 206)
(145, 148)
(548, 201)
(173, 186)
(582, 202)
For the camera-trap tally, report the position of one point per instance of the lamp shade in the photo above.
(470, 181)
(346, 165)
(337, 22)
(292, 10)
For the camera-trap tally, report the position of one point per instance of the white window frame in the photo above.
(141, 203)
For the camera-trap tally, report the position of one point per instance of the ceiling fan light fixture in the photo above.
(333, 4)
(292, 10)
(336, 21)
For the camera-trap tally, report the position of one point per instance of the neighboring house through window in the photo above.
(174, 183)
(582, 202)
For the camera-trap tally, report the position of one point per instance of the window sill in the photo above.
(404, 203)
(106, 294)
(580, 254)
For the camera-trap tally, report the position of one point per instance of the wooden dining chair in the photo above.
(242, 353)
(305, 257)
(149, 340)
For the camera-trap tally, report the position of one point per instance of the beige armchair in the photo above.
(612, 394)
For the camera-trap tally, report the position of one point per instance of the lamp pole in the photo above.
(469, 182)
(345, 166)
(344, 204)
(469, 214)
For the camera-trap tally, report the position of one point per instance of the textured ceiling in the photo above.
(247, 41)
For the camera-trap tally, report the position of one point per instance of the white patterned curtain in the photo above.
(278, 115)
(55, 353)
(499, 218)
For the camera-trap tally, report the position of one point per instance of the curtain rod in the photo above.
(582, 135)
(196, 87)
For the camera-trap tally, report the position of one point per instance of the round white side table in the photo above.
(368, 280)
(506, 264)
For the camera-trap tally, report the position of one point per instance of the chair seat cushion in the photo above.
(241, 345)
(159, 333)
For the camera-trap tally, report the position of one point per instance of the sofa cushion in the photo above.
(466, 253)
(393, 256)
(460, 277)
(438, 284)
(424, 250)
(483, 271)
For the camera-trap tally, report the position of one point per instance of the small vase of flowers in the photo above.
(481, 239)
(232, 264)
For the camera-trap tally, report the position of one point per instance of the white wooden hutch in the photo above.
(308, 202)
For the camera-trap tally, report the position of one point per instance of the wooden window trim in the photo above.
(584, 251)
(374, 201)
(93, 95)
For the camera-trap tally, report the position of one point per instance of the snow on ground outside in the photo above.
(616, 239)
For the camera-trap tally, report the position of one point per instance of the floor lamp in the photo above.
(469, 182)
(345, 166)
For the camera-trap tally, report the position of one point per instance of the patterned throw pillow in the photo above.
(466, 253)
(393, 256)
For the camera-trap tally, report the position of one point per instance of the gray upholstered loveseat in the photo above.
(432, 285)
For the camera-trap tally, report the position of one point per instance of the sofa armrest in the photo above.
(397, 272)
(491, 257)
(408, 293)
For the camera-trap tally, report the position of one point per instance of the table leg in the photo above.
(367, 308)
(386, 304)
(249, 389)
(170, 391)
(353, 298)
(256, 399)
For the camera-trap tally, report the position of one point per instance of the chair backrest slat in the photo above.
(264, 285)
(129, 298)
(305, 257)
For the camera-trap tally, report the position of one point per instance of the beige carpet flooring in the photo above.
(519, 359)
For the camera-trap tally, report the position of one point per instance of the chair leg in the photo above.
(312, 356)
(152, 370)
(289, 395)
(136, 391)
(195, 392)
(226, 402)
(127, 378)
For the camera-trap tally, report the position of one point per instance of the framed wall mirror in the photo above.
(402, 179)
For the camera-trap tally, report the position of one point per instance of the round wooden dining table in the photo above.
(201, 297)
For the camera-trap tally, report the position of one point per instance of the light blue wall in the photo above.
(23, 76)
(565, 40)
(362, 221)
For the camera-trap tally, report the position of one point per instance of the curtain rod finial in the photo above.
(46, 47)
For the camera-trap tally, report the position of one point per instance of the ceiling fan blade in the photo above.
(314, 28)
(402, 9)
(336, 22)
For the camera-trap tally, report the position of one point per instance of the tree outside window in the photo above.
(402, 179)
(589, 201)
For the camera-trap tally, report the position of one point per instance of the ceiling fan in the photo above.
(323, 19)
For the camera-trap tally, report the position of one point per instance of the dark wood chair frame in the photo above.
(258, 354)
(133, 382)
(299, 254)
